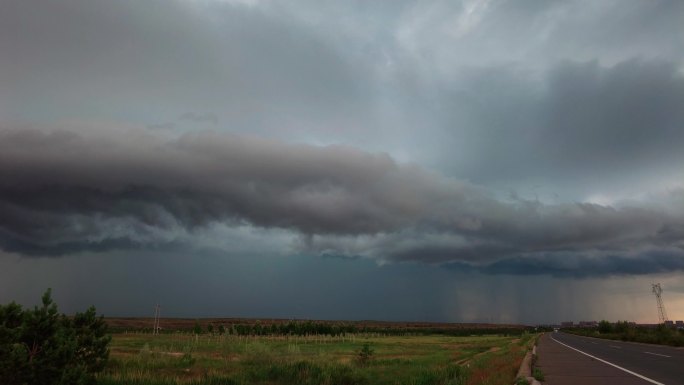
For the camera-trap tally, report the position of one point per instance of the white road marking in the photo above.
(611, 364)
(615, 347)
(594, 343)
(656, 354)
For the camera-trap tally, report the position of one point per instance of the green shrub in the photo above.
(537, 374)
(365, 355)
(604, 327)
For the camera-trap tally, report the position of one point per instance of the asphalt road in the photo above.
(662, 364)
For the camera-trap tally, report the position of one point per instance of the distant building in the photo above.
(567, 324)
(588, 324)
(669, 323)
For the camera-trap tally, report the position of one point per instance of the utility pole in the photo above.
(157, 311)
(657, 290)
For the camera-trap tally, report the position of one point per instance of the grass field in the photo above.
(181, 358)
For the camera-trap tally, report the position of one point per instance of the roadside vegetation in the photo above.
(183, 358)
(626, 331)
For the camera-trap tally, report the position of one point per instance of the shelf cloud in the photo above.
(83, 188)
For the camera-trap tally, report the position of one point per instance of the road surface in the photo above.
(569, 359)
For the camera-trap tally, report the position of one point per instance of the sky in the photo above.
(461, 161)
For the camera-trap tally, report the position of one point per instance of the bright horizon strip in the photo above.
(611, 364)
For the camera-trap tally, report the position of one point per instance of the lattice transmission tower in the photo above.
(662, 314)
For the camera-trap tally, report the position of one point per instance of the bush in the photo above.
(365, 354)
(41, 346)
(538, 375)
(604, 327)
(197, 329)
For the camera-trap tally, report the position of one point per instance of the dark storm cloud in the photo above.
(582, 264)
(207, 177)
(68, 190)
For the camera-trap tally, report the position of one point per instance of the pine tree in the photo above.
(42, 346)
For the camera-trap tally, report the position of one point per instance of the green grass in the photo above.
(143, 359)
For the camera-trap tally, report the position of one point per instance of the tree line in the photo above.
(311, 328)
(629, 331)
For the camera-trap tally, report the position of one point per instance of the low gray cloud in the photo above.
(575, 125)
(199, 118)
(209, 62)
(162, 126)
(78, 189)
